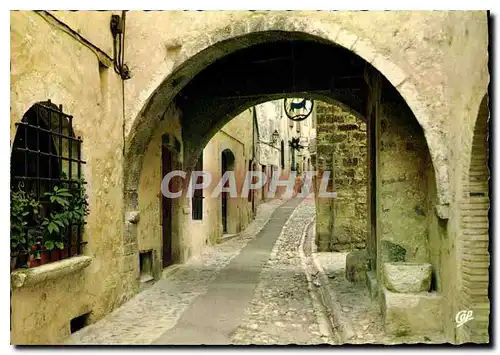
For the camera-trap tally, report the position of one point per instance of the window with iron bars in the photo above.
(47, 189)
(197, 199)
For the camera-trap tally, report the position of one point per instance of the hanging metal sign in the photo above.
(298, 109)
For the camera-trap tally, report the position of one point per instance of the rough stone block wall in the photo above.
(341, 139)
(402, 186)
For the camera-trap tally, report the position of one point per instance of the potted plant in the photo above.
(24, 211)
(40, 235)
(56, 224)
(70, 208)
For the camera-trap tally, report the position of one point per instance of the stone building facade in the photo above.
(418, 79)
(203, 218)
(280, 157)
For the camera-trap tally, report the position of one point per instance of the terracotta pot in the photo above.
(55, 254)
(73, 251)
(44, 257)
(34, 262)
(64, 253)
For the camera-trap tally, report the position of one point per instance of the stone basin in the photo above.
(405, 277)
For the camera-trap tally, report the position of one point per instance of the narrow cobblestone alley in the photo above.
(251, 289)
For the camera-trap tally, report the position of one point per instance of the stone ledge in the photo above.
(30, 277)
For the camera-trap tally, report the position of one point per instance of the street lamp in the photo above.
(274, 140)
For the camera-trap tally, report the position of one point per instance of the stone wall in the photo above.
(341, 148)
(402, 186)
(48, 62)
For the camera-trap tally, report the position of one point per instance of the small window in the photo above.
(197, 199)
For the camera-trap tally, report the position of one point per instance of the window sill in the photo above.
(29, 277)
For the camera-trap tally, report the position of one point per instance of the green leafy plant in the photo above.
(47, 223)
(24, 210)
(69, 207)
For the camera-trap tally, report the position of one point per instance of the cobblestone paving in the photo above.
(355, 301)
(152, 312)
(281, 311)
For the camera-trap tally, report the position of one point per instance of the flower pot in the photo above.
(55, 254)
(64, 253)
(33, 262)
(44, 257)
(74, 251)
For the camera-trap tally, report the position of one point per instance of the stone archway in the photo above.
(197, 52)
(197, 61)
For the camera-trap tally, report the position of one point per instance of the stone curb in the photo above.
(341, 324)
(324, 321)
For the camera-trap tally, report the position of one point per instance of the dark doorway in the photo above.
(166, 208)
(265, 184)
(227, 159)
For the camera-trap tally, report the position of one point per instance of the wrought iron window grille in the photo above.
(45, 154)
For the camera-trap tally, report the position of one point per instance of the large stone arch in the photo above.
(198, 52)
